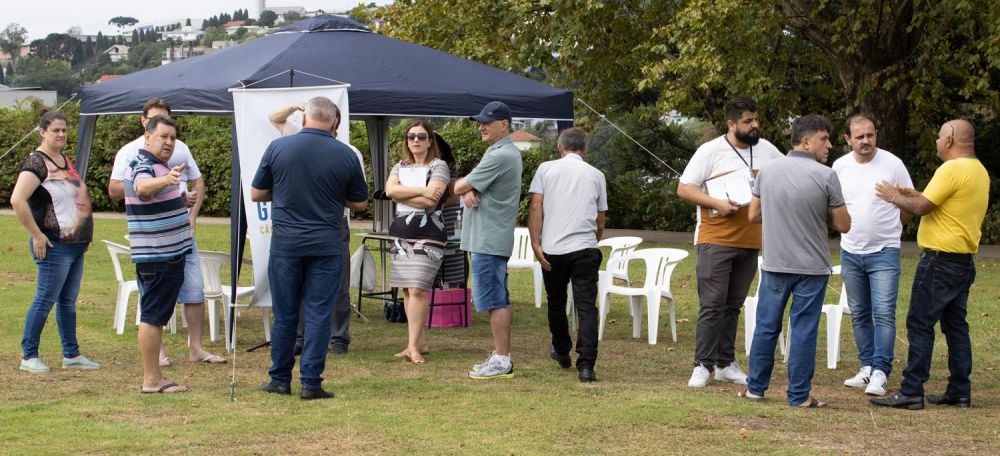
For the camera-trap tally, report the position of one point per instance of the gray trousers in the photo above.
(724, 277)
(341, 321)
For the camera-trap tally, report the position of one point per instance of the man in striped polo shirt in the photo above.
(160, 237)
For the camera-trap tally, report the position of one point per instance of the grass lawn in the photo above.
(641, 405)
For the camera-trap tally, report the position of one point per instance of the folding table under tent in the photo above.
(388, 78)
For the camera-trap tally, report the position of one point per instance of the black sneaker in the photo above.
(564, 361)
(271, 387)
(309, 394)
(338, 349)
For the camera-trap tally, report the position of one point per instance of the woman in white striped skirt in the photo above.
(418, 184)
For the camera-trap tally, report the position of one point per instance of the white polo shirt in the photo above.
(875, 223)
(574, 192)
(182, 156)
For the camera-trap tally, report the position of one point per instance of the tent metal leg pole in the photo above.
(84, 142)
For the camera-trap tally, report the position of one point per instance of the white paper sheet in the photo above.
(411, 177)
(734, 186)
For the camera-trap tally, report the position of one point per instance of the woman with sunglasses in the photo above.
(417, 184)
(51, 202)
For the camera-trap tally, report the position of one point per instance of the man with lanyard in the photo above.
(726, 242)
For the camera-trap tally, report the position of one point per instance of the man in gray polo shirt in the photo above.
(796, 197)
(572, 196)
(492, 195)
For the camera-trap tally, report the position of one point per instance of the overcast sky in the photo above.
(56, 16)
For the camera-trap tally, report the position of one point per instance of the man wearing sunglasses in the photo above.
(492, 194)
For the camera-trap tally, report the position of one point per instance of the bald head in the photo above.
(957, 138)
(963, 131)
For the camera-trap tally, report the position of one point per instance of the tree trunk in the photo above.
(871, 66)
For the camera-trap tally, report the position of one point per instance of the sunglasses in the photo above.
(417, 136)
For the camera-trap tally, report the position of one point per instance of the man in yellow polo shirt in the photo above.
(953, 207)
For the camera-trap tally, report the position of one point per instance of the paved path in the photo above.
(985, 251)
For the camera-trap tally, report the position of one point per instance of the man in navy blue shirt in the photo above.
(309, 177)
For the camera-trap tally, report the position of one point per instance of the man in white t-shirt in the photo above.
(869, 253)
(192, 294)
(289, 120)
(569, 199)
(727, 243)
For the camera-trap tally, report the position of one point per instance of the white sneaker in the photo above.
(476, 367)
(876, 387)
(494, 368)
(699, 378)
(861, 379)
(731, 373)
(34, 365)
(80, 362)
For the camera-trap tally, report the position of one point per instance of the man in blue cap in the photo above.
(491, 194)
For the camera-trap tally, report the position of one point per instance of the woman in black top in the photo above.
(51, 201)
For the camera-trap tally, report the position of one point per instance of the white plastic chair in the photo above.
(615, 268)
(617, 265)
(660, 264)
(125, 287)
(834, 317)
(750, 314)
(524, 258)
(215, 293)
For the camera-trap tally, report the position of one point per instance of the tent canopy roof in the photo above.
(388, 77)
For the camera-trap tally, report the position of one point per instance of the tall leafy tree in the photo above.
(590, 46)
(47, 74)
(55, 46)
(267, 18)
(11, 39)
(912, 63)
(123, 21)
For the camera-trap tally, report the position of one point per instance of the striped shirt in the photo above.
(158, 227)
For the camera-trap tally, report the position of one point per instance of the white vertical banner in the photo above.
(254, 132)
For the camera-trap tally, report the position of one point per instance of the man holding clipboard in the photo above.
(718, 179)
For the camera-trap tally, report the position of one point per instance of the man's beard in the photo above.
(748, 137)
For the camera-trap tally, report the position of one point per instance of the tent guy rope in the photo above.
(35, 129)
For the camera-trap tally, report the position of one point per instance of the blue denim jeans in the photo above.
(808, 292)
(872, 282)
(940, 293)
(312, 282)
(58, 283)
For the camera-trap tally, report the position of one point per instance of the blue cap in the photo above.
(494, 110)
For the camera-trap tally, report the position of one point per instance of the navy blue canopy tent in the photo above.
(388, 78)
